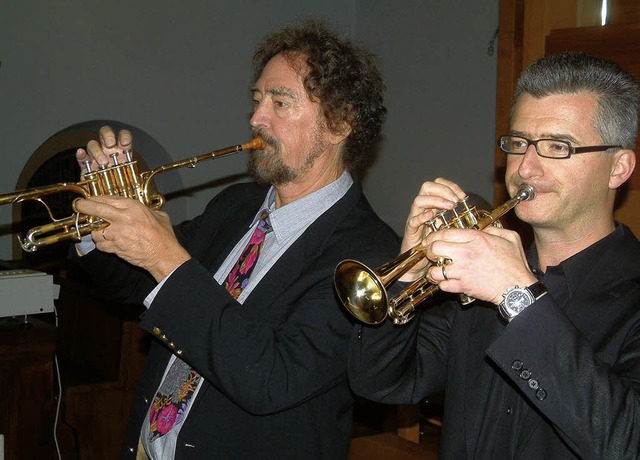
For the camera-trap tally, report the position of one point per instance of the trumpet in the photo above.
(121, 179)
(363, 291)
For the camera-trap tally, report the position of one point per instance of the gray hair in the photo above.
(616, 91)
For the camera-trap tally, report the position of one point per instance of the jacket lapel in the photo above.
(305, 249)
(230, 228)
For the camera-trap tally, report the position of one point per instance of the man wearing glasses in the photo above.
(546, 363)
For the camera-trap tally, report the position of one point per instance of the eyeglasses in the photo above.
(547, 148)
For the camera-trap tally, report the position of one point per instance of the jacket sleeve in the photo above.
(114, 278)
(586, 383)
(402, 364)
(122, 282)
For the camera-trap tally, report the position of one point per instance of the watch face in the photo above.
(517, 300)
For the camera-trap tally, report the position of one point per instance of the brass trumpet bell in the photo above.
(362, 290)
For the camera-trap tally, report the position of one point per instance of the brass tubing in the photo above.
(133, 179)
(37, 192)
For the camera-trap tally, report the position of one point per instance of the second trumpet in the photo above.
(363, 291)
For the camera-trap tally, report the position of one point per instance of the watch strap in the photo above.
(537, 289)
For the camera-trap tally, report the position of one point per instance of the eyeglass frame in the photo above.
(572, 150)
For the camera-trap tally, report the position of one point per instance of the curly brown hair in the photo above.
(342, 76)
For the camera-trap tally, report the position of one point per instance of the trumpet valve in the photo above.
(440, 215)
(128, 153)
(431, 223)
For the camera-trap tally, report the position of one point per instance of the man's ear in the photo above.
(341, 134)
(342, 129)
(622, 166)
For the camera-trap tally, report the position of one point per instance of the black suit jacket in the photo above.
(575, 365)
(275, 367)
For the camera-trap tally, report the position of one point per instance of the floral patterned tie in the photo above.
(172, 400)
(239, 275)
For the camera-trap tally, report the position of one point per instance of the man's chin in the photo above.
(532, 213)
(269, 176)
(259, 180)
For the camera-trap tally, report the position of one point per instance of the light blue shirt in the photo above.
(289, 223)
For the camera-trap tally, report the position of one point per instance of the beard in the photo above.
(266, 167)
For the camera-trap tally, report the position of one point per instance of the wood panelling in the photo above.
(623, 12)
(102, 351)
(27, 389)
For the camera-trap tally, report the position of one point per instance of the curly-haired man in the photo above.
(254, 366)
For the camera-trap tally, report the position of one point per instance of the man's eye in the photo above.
(558, 147)
(280, 104)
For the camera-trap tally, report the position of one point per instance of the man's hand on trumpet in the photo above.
(135, 233)
(432, 197)
(482, 264)
(100, 153)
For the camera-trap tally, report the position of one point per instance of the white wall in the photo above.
(441, 97)
(179, 72)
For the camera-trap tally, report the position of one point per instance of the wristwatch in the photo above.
(517, 299)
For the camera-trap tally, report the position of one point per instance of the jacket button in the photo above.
(157, 331)
(533, 384)
(517, 365)
(541, 394)
(525, 374)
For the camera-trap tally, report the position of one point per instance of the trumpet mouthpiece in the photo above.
(257, 143)
(526, 192)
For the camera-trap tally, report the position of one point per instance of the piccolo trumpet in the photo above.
(121, 179)
(363, 291)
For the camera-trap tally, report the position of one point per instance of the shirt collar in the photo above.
(576, 268)
(287, 220)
